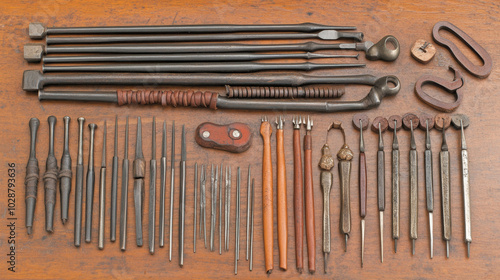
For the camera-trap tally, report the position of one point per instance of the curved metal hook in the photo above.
(380, 50)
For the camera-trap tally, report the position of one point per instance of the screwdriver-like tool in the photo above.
(152, 191)
(442, 122)
(267, 194)
(124, 194)
(65, 173)
(163, 183)
(114, 186)
(139, 172)
(182, 197)
(309, 197)
(79, 185)
(395, 124)
(427, 123)
(281, 194)
(31, 180)
(89, 203)
(203, 205)
(298, 194)
(172, 181)
(102, 192)
(50, 178)
(326, 178)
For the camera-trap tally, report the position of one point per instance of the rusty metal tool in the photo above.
(267, 194)
(309, 196)
(252, 205)
(50, 179)
(102, 192)
(152, 191)
(214, 181)
(361, 122)
(65, 173)
(221, 185)
(203, 205)
(114, 187)
(79, 185)
(195, 205)
(482, 71)
(395, 123)
(298, 194)
(172, 181)
(238, 220)
(313, 91)
(189, 57)
(163, 183)
(89, 202)
(32, 174)
(248, 210)
(182, 197)
(442, 122)
(326, 178)
(281, 194)
(380, 125)
(426, 123)
(227, 208)
(373, 51)
(139, 172)
(234, 137)
(461, 122)
(409, 122)
(124, 194)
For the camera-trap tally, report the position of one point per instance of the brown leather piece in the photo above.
(221, 137)
(188, 98)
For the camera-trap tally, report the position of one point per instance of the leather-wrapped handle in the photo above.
(309, 204)
(267, 195)
(282, 203)
(234, 137)
(298, 199)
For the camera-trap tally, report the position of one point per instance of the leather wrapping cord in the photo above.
(309, 204)
(282, 205)
(31, 180)
(267, 196)
(298, 200)
(168, 98)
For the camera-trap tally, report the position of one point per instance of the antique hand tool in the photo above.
(426, 123)
(114, 187)
(159, 38)
(102, 192)
(31, 179)
(248, 210)
(79, 185)
(313, 91)
(189, 57)
(89, 202)
(361, 122)
(234, 137)
(373, 51)
(309, 197)
(461, 122)
(326, 178)
(482, 71)
(139, 172)
(172, 181)
(298, 194)
(227, 208)
(395, 123)
(252, 204)
(267, 194)
(152, 191)
(50, 178)
(409, 122)
(124, 194)
(380, 125)
(182, 197)
(214, 181)
(281, 193)
(221, 184)
(65, 173)
(442, 122)
(163, 183)
(195, 205)
(203, 205)
(237, 218)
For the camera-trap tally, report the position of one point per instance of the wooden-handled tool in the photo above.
(298, 194)
(309, 197)
(281, 193)
(267, 194)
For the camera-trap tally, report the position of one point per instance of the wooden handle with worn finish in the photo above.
(267, 195)
(298, 200)
(309, 204)
(362, 185)
(281, 194)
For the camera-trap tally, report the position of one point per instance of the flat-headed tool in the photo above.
(195, 214)
(50, 179)
(31, 179)
(114, 187)
(152, 191)
(326, 163)
(89, 202)
(138, 172)
(361, 122)
(172, 188)
(163, 183)
(124, 194)
(298, 194)
(102, 192)
(203, 205)
(238, 219)
(267, 194)
(79, 185)
(65, 173)
(309, 196)
(252, 205)
(227, 208)
(182, 197)
(380, 125)
(461, 122)
(281, 193)
(395, 123)
(213, 202)
(248, 210)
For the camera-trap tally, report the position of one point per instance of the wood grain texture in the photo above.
(53, 256)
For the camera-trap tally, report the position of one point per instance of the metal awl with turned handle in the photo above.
(65, 174)
(32, 174)
(50, 179)
(395, 123)
(79, 186)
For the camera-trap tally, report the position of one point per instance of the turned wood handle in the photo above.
(298, 199)
(281, 194)
(362, 185)
(267, 195)
(309, 204)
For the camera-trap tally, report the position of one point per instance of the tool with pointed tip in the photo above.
(326, 179)
(248, 210)
(163, 183)
(461, 122)
(50, 179)
(102, 192)
(172, 181)
(298, 194)
(195, 205)
(152, 191)
(213, 201)
(138, 172)
(252, 205)
(114, 186)
(65, 173)
(237, 218)
(281, 194)
(309, 196)
(395, 123)
(361, 122)
(124, 194)
(227, 208)
(221, 185)
(31, 179)
(380, 125)
(89, 202)
(79, 186)
(267, 194)
(182, 197)
(203, 205)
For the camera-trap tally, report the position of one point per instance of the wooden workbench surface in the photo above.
(53, 256)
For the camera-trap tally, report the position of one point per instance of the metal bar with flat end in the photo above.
(221, 192)
(152, 191)
(252, 205)
(444, 162)
(102, 192)
(429, 188)
(124, 194)
(248, 212)
(237, 220)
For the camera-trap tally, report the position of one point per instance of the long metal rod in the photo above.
(172, 181)
(248, 212)
(228, 205)
(163, 183)
(50, 179)
(212, 206)
(381, 188)
(195, 205)
(252, 205)
(124, 194)
(221, 187)
(79, 185)
(203, 205)
(89, 202)
(413, 189)
(214, 209)
(395, 189)
(102, 192)
(114, 187)
(429, 189)
(237, 218)
(152, 191)
(182, 197)
(65, 173)
(444, 161)
(362, 189)
(32, 175)
(139, 172)
(466, 189)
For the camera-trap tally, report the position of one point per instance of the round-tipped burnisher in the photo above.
(65, 173)
(31, 180)
(50, 178)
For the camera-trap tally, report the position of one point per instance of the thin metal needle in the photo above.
(203, 205)
(248, 211)
(163, 183)
(139, 170)
(195, 204)
(251, 226)
(212, 207)
(152, 191)
(466, 189)
(182, 197)
(114, 186)
(221, 184)
(172, 181)
(124, 196)
(429, 189)
(102, 192)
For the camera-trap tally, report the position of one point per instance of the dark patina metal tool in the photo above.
(326, 163)
(172, 188)
(163, 183)
(124, 194)
(237, 220)
(152, 191)
(89, 202)
(79, 185)
(50, 179)
(102, 192)
(227, 208)
(139, 172)
(455, 87)
(65, 174)
(248, 210)
(114, 187)
(222, 184)
(31, 179)
(213, 202)
(203, 205)
(195, 214)
(182, 197)
(252, 205)
(395, 123)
